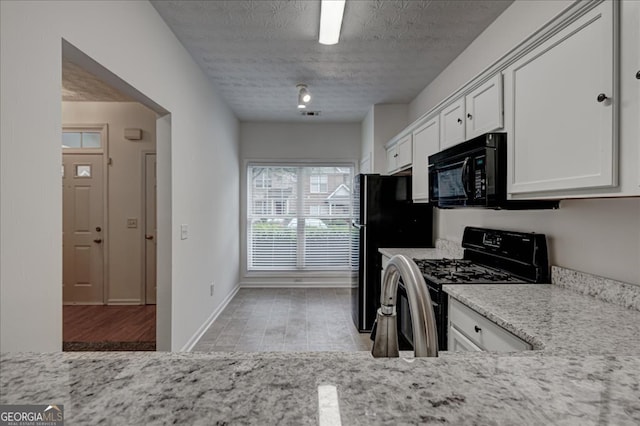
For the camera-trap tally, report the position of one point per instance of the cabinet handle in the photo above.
(459, 120)
(97, 240)
(477, 329)
(469, 116)
(602, 97)
(395, 156)
(638, 75)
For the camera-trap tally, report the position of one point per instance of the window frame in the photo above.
(258, 276)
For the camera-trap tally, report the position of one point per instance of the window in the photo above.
(82, 140)
(319, 184)
(299, 217)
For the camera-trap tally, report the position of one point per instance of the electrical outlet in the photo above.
(184, 231)
(211, 289)
(132, 222)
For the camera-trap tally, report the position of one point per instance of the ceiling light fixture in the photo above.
(331, 12)
(304, 97)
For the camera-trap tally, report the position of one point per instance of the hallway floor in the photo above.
(109, 327)
(285, 319)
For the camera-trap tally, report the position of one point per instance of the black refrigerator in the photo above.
(383, 216)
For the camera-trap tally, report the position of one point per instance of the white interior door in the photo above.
(150, 228)
(83, 229)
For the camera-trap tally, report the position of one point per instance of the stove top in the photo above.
(462, 271)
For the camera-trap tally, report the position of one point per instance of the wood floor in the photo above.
(100, 323)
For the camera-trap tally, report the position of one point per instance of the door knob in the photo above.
(148, 237)
(98, 229)
(601, 97)
(97, 240)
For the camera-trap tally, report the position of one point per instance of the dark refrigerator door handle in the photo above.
(356, 225)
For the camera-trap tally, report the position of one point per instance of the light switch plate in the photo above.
(184, 231)
(132, 222)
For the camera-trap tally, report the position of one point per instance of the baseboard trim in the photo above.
(214, 315)
(316, 284)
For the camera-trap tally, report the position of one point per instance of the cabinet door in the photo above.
(405, 152)
(452, 124)
(484, 108)
(392, 156)
(426, 141)
(561, 105)
(456, 342)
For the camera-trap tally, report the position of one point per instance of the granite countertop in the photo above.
(414, 253)
(555, 319)
(584, 370)
(529, 388)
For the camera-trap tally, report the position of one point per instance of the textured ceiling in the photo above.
(79, 84)
(256, 51)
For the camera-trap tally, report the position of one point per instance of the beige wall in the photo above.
(331, 142)
(125, 257)
(597, 236)
(203, 151)
(382, 122)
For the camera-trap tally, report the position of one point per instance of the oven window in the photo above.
(450, 183)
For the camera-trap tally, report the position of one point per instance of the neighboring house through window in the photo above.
(299, 217)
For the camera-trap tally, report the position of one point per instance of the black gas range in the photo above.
(491, 256)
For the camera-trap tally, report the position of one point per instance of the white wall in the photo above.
(330, 142)
(204, 160)
(382, 122)
(597, 236)
(125, 186)
(513, 26)
(295, 141)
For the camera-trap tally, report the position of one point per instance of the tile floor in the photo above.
(284, 319)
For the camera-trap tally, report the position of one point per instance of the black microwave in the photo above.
(474, 174)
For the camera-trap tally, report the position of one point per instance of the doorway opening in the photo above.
(112, 137)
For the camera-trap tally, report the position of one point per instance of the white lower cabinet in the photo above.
(470, 331)
(458, 343)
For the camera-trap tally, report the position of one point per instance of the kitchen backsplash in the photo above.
(608, 290)
(451, 249)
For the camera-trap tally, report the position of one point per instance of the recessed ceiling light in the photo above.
(331, 12)
(304, 97)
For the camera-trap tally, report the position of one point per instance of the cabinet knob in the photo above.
(459, 120)
(477, 329)
(638, 75)
(469, 116)
(602, 97)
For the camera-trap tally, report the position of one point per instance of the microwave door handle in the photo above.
(465, 176)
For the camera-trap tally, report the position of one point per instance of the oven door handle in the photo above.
(465, 177)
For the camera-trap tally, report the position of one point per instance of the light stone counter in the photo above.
(282, 388)
(553, 318)
(586, 371)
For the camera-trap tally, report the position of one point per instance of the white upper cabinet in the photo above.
(405, 152)
(426, 141)
(561, 105)
(452, 127)
(478, 112)
(399, 155)
(484, 108)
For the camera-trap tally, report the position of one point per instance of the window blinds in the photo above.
(298, 217)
